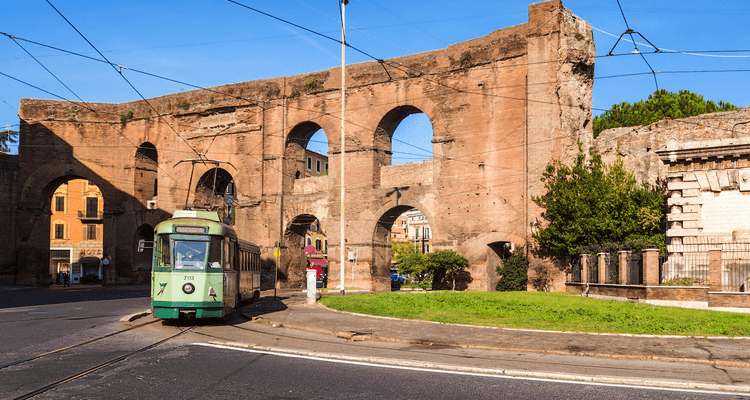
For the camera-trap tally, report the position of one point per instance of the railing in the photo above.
(90, 216)
(634, 269)
(735, 268)
(576, 267)
(593, 270)
(688, 269)
(612, 261)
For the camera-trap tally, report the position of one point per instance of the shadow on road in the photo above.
(18, 296)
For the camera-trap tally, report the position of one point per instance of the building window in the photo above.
(90, 232)
(326, 168)
(426, 233)
(326, 247)
(59, 231)
(60, 203)
(92, 207)
(318, 245)
(309, 163)
(309, 241)
(317, 166)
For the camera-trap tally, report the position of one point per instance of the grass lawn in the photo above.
(547, 311)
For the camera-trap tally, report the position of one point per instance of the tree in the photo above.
(592, 203)
(447, 263)
(514, 272)
(401, 249)
(660, 105)
(415, 266)
(7, 137)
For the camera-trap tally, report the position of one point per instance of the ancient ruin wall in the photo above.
(502, 107)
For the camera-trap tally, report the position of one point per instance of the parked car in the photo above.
(397, 280)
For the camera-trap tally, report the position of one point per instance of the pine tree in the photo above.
(660, 105)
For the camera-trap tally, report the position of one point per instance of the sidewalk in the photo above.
(291, 311)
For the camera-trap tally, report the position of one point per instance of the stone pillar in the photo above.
(714, 270)
(602, 262)
(651, 267)
(585, 262)
(622, 273)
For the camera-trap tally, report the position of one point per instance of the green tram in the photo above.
(200, 268)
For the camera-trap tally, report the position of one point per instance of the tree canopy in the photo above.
(592, 203)
(660, 105)
(513, 273)
(6, 138)
(431, 268)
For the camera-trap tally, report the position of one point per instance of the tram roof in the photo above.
(209, 215)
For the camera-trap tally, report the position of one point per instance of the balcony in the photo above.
(90, 217)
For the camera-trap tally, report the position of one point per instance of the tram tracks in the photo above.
(100, 366)
(18, 362)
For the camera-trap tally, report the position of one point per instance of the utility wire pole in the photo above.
(343, 143)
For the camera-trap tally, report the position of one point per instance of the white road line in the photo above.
(649, 384)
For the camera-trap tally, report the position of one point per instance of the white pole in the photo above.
(343, 144)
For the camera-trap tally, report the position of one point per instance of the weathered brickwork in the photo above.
(501, 107)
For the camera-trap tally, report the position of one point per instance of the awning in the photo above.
(317, 261)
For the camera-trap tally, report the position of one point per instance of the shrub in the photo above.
(513, 273)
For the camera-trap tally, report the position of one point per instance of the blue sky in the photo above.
(213, 42)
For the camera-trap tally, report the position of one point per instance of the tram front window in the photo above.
(190, 254)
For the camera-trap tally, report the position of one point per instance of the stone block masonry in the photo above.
(501, 107)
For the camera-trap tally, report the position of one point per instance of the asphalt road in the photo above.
(187, 366)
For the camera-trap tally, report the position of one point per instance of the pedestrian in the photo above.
(60, 278)
(66, 279)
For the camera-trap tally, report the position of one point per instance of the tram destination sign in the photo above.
(191, 229)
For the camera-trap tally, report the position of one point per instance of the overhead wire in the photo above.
(348, 46)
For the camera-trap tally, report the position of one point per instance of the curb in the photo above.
(133, 317)
(358, 337)
(742, 389)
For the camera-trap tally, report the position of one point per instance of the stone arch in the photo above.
(216, 191)
(293, 261)
(146, 173)
(294, 151)
(36, 229)
(381, 238)
(484, 256)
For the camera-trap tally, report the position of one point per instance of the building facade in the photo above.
(413, 226)
(76, 231)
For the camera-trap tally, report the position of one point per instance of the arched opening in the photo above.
(304, 230)
(404, 135)
(497, 252)
(215, 191)
(395, 226)
(146, 172)
(76, 228)
(306, 153)
(142, 260)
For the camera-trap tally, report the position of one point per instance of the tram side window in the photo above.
(229, 252)
(164, 250)
(214, 255)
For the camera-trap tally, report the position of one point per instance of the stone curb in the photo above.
(133, 317)
(688, 385)
(355, 337)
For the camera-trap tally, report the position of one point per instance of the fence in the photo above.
(634, 268)
(735, 267)
(685, 269)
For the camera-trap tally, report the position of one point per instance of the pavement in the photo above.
(291, 310)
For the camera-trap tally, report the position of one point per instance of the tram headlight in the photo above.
(188, 288)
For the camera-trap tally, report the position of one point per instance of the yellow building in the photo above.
(414, 227)
(76, 231)
(316, 164)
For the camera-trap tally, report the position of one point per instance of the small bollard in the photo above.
(311, 286)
